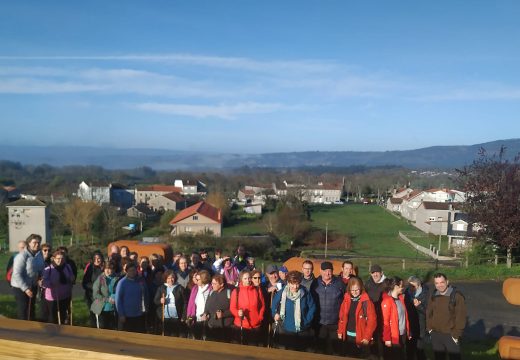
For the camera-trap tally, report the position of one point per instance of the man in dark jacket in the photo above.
(374, 288)
(92, 271)
(328, 292)
(416, 300)
(445, 318)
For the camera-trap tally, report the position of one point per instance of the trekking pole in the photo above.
(269, 327)
(58, 307)
(29, 309)
(97, 321)
(242, 328)
(163, 304)
(204, 330)
(70, 314)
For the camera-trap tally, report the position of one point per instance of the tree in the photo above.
(492, 186)
(79, 216)
(218, 200)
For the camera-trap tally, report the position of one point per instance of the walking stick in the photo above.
(58, 306)
(97, 321)
(241, 329)
(269, 327)
(163, 304)
(29, 309)
(70, 313)
(204, 330)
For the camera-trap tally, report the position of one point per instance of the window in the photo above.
(459, 227)
(187, 229)
(432, 218)
(195, 217)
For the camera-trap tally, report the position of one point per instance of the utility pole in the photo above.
(326, 238)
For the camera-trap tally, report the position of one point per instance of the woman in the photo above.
(230, 272)
(171, 305)
(92, 271)
(247, 306)
(57, 281)
(416, 298)
(104, 294)
(357, 319)
(217, 312)
(197, 302)
(294, 307)
(27, 268)
(396, 328)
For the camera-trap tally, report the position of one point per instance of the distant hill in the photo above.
(441, 157)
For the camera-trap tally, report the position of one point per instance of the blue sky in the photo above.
(259, 76)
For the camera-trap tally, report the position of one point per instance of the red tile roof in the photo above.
(431, 205)
(201, 208)
(396, 201)
(247, 192)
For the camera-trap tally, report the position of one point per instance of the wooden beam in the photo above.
(32, 340)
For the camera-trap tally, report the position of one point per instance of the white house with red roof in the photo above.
(199, 218)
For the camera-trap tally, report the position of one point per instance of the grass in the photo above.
(425, 240)
(245, 227)
(373, 230)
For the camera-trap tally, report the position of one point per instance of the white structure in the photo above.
(99, 193)
(27, 217)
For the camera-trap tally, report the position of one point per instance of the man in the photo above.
(240, 259)
(308, 275)
(445, 318)
(282, 274)
(273, 283)
(206, 262)
(347, 270)
(9, 269)
(374, 288)
(131, 301)
(328, 292)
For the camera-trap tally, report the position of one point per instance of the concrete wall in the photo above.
(27, 220)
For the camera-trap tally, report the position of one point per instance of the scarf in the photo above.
(295, 297)
(61, 272)
(231, 274)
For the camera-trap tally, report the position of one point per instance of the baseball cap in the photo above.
(326, 265)
(375, 268)
(283, 269)
(271, 269)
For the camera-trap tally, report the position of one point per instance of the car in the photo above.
(338, 202)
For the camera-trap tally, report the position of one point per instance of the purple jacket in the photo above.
(54, 290)
(192, 308)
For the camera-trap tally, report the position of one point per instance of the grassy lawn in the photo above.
(245, 227)
(425, 240)
(373, 230)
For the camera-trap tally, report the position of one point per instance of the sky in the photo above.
(263, 76)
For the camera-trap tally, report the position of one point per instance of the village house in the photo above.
(27, 217)
(191, 187)
(94, 191)
(144, 194)
(199, 218)
(320, 193)
(170, 201)
(460, 231)
(141, 211)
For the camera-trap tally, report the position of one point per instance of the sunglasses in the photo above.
(256, 277)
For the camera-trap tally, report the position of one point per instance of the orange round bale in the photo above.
(295, 263)
(146, 249)
(511, 290)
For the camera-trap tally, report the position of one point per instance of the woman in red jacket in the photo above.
(396, 329)
(357, 319)
(247, 306)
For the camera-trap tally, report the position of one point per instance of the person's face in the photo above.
(183, 264)
(326, 275)
(241, 251)
(399, 288)
(204, 256)
(114, 249)
(216, 285)
(256, 278)
(131, 272)
(441, 284)
(108, 271)
(251, 262)
(355, 291)
(347, 270)
(144, 264)
(307, 270)
(293, 287)
(133, 257)
(21, 247)
(58, 259)
(124, 252)
(376, 276)
(176, 257)
(170, 280)
(246, 280)
(34, 245)
(273, 277)
(413, 287)
(194, 278)
(282, 275)
(198, 280)
(45, 252)
(97, 260)
(195, 259)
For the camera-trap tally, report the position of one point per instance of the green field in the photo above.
(373, 230)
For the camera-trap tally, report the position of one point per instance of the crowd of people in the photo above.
(226, 298)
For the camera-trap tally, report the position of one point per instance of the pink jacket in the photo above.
(54, 290)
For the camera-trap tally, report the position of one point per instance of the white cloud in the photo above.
(222, 111)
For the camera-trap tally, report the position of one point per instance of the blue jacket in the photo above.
(328, 299)
(131, 296)
(307, 308)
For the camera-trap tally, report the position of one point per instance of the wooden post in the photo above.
(496, 260)
(369, 265)
(404, 264)
(467, 261)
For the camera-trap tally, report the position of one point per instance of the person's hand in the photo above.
(219, 314)
(204, 317)
(29, 293)
(277, 317)
(340, 336)
(163, 300)
(272, 289)
(416, 302)
(388, 343)
(111, 300)
(364, 342)
(240, 313)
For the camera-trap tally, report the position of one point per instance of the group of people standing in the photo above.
(228, 299)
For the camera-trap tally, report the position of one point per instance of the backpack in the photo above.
(9, 274)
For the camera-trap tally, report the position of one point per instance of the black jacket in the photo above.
(417, 314)
(219, 301)
(180, 301)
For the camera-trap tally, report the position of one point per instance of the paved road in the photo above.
(489, 314)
